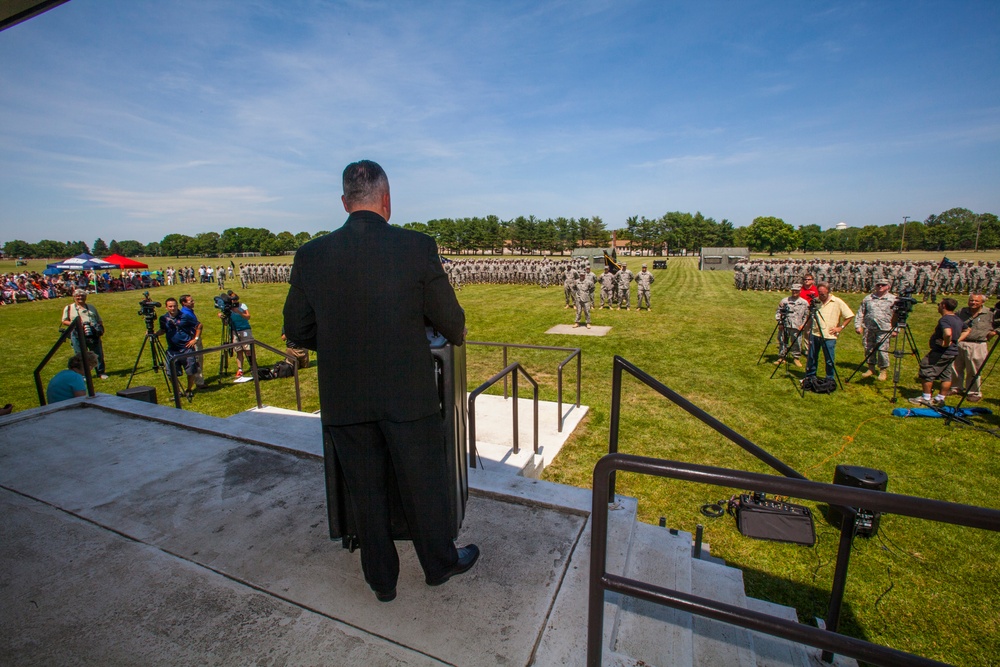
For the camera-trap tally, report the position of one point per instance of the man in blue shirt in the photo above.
(69, 383)
(183, 331)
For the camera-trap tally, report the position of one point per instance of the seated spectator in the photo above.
(70, 383)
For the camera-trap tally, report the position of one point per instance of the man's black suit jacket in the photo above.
(361, 296)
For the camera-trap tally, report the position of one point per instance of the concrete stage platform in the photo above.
(138, 534)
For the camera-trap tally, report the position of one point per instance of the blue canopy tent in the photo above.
(82, 262)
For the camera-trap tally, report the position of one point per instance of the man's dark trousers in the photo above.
(369, 453)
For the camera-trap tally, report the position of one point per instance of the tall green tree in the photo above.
(100, 247)
(770, 234)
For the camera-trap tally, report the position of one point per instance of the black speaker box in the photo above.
(147, 394)
(860, 478)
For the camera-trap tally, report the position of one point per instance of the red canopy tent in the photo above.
(125, 262)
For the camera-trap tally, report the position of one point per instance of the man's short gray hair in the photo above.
(364, 183)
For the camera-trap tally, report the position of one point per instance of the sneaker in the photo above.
(797, 363)
(239, 373)
(867, 374)
(937, 402)
(576, 326)
(920, 400)
(954, 391)
(189, 395)
(974, 398)
(588, 326)
(104, 376)
(779, 362)
(882, 376)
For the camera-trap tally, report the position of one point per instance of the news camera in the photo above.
(147, 310)
(903, 305)
(226, 302)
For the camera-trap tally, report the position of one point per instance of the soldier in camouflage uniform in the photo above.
(584, 296)
(643, 281)
(624, 279)
(607, 289)
(874, 321)
(791, 315)
(569, 286)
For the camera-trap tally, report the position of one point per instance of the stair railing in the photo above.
(512, 370)
(254, 344)
(574, 353)
(75, 328)
(839, 583)
(828, 640)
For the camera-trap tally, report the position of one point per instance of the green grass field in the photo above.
(918, 586)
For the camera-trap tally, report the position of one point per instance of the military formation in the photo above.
(264, 273)
(543, 272)
(927, 278)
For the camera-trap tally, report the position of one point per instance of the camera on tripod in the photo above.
(147, 307)
(226, 302)
(903, 305)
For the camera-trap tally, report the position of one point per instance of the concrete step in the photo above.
(650, 633)
(774, 651)
(564, 639)
(717, 643)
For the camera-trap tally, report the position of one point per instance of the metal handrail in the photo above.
(829, 641)
(509, 370)
(253, 368)
(573, 352)
(76, 326)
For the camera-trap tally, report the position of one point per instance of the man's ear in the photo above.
(343, 199)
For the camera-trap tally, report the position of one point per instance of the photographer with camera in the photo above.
(791, 314)
(936, 365)
(238, 315)
(873, 322)
(93, 327)
(183, 332)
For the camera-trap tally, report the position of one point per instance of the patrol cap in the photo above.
(881, 281)
(79, 292)
(796, 286)
(644, 266)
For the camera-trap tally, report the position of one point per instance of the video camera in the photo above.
(903, 305)
(226, 302)
(147, 310)
(147, 307)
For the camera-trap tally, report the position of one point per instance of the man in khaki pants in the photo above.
(972, 350)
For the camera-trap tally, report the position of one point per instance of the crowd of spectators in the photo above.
(30, 285)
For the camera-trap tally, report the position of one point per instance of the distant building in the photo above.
(721, 259)
(841, 226)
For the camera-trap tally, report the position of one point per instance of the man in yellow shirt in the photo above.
(832, 316)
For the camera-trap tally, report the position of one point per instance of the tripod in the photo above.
(814, 324)
(902, 336)
(155, 350)
(227, 337)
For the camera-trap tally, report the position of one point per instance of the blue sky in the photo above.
(132, 119)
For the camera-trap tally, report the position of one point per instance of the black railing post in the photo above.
(848, 524)
(513, 384)
(472, 430)
(598, 562)
(616, 408)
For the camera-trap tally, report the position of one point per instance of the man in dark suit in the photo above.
(361, 297)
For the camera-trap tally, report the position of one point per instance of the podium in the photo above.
(450, 374)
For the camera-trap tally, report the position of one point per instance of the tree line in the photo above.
(954, 229)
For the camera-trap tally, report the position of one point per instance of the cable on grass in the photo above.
(848, 439)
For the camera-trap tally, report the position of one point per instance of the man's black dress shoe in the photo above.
(386, 596)
(467, 557)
